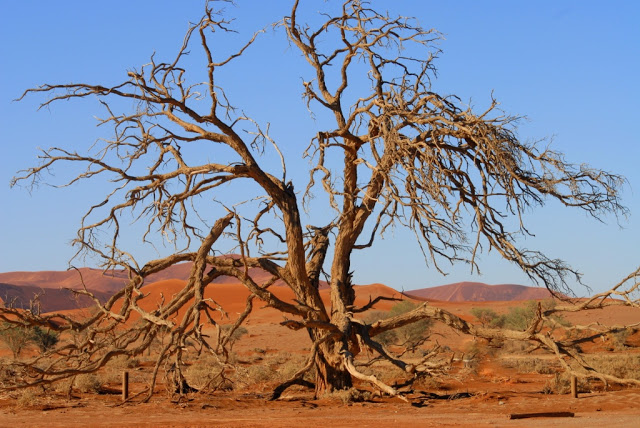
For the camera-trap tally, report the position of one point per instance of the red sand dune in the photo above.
(232, 298)
(94, 279)
(112, 280)
(106, 283)
(479, 292)
(51, 299)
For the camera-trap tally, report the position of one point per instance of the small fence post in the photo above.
(574, 386)
(125, 385)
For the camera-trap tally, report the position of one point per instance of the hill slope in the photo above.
(51, 299)
(113, 280)
(480, 292)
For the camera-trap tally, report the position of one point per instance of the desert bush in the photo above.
(515, 346)
(623, 366)
(123, 362)
(532, 365)
(235, 336)
(520, 317)
(620, 337)
(274, 368)
(561, 384)
(409, 336)
(485, 316)
(288, 369)
(63, 386)
(44, 339)
(28, 397)
(88, 382)
(16, 337)
(385, 372)
(348, 396)
(210, 374)
(427, 382)
(258, 373)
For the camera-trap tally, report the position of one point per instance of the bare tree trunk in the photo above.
(331, 375)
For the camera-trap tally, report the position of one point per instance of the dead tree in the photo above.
(396, 154)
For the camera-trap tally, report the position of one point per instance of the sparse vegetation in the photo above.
(28, 397)
(410, 336)
(620, 338)
(620, 365)
(88, 382)
(486, 316)
(349, 396)
(15, 336)
(530, 364)
(518, 318)
(44, 339)
(236, 334)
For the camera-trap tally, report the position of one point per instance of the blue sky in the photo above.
(570, 66)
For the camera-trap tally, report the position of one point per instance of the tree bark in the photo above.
(331, 375)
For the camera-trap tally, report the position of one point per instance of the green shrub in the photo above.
(485, 316)
(235, 335)
(44, 339)
(409, 336)
(518, 318)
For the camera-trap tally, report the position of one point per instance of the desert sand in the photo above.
(484, 396)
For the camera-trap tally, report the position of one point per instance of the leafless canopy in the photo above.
(396, 153)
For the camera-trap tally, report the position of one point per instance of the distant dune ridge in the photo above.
(20, 287)
(112, 280)
(480, 292)
(51, 299)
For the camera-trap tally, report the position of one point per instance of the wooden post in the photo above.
(574, 387)
(125, 385)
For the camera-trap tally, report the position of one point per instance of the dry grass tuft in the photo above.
(348, 396)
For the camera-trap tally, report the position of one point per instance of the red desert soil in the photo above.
(619, 409)
(495, 391)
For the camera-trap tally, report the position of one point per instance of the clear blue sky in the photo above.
(570, 66)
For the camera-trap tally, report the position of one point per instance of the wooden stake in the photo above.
(542, 415)
(125, 385)
(574, 387)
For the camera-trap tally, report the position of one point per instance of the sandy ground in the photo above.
(619, 408)
(492, 392)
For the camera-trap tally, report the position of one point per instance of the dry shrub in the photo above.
(28, 398)
(427, 382)
(272, 369)
(385, 372)
(63, 386)
(111, 377)
(204, 372)
(87, 382)
(290, 367)
(123, 362)
(349, 396)
(515, 347)
(619, 338)
(623, 366)
(532, 365)
(259, 373)
(561, 384)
